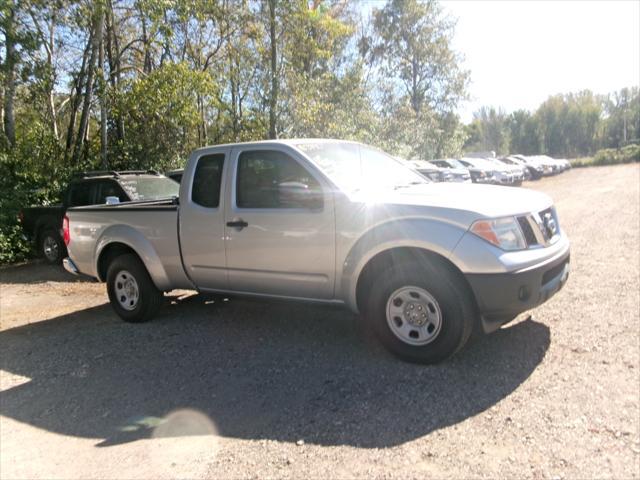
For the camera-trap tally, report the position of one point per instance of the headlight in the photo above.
(504, 233)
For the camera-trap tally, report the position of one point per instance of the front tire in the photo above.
(423, 313)
(132, 293)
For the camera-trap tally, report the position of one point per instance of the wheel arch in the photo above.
(404, 237)
(398, 255)
(121, 239)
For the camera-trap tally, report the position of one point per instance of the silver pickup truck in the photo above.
(336, 222)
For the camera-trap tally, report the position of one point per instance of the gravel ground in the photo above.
(241, 388)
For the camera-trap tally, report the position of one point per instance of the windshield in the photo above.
(353, 167)
(149, 188)
(480, 163)
(449, 163)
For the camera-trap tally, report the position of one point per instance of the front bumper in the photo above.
(502, 296)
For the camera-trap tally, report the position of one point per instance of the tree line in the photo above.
(569, 125)
(140, 83)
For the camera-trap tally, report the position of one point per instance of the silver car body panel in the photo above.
(151, 233)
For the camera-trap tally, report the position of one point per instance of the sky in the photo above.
(521, 52)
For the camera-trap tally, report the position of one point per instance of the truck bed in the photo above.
(148, 227)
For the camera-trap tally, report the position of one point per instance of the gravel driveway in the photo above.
(243, 388)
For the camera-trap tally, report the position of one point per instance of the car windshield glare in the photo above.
(353, 167)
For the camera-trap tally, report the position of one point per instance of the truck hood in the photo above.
(484, 201)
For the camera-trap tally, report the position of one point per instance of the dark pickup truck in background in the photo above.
(43, 224)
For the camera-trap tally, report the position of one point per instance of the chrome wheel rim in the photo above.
(50, 248)
(414, 316)
(126, 290)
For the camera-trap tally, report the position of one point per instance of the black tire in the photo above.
(454, 299)
(51, 246)
(149, 298)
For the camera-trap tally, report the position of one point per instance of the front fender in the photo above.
(433, 235)
(132, 238)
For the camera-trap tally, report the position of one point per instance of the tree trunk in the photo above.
(10, 62)
(273, 100)
(113, 56)
(50, 56)
(103, 105)
(86, 106)
(75, 98)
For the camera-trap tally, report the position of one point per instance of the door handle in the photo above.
(240, 224)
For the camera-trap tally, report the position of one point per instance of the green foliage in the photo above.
(614, 156)
(610, 156)
(490, 132)
(162, 116)
(571, 125)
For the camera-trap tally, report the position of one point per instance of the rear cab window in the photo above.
(81, 194)
(205, 190)
(109, 188)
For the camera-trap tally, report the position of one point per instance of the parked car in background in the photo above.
(483, 171)
(430, 171)
(564, 163)
(459, 173)
(534, 171)
(509, 162)
(516, 172)
(335, 222)
(175, 174)
(553, 167)
(42, 224)
(540, 165)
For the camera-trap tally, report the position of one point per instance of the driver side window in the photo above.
(271, 179)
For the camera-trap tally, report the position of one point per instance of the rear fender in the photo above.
(132, 238)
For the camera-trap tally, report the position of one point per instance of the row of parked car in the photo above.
(487, 168)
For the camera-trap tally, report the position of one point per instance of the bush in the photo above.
(613, 156)
(30, 174)
(13, 248)
(610, 156)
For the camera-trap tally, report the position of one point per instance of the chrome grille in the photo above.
(540, 228)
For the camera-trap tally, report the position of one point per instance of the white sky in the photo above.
(521, 52)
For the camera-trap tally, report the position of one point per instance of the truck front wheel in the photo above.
(131, 291)
(421, 312)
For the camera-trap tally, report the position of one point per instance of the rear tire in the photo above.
(51, 246)
(423, 313)
(132, 293)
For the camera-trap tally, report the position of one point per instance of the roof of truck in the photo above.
(281, 141)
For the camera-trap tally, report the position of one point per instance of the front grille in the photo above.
(527, 231)
(553, 272)
(548, 224)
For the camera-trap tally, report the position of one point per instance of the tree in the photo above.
(492, 131)
(411, 47)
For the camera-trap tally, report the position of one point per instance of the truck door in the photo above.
(280, 224)
(202, 220)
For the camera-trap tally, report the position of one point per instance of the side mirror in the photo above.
(112, 201)
(299, 195)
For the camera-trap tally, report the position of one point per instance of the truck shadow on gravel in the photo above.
(37, 272)
(258, 370)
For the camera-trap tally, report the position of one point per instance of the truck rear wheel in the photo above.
(51, 246)
(422, 313)
(131, 291)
